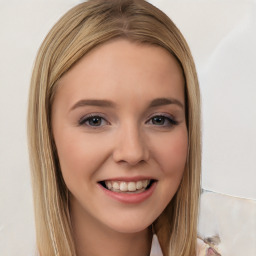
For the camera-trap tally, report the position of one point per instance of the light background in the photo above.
(222, 37)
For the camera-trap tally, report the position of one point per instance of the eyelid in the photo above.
(161, 114)
(169, 117)
(84, 118)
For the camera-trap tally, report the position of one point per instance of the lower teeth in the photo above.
(127, 192)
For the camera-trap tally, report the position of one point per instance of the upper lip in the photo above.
(127, 179)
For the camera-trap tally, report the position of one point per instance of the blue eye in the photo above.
(161, 120)
(93, 121)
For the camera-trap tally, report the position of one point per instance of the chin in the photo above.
(130, 226)
(128, 229)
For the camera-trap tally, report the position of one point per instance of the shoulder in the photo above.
(203, 249)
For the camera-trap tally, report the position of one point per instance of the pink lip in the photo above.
(130, 198)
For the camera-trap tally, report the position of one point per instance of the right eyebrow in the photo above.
(93, 102)
(165, 101)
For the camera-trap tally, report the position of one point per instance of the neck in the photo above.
(94, 239)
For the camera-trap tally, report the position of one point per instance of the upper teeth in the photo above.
(127, 186)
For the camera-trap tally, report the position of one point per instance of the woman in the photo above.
(114, 133)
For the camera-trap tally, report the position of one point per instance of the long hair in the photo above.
(81, 29)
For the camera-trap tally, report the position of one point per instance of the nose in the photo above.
(131, 146)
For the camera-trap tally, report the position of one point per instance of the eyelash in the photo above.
(89, 117)
(171, 121)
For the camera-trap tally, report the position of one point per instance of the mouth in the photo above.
(127, 187)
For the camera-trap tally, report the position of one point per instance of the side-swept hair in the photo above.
(81, 29)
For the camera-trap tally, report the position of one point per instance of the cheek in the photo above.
(172, 155)
(79, 155)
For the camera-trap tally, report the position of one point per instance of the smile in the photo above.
(128, 190)
(127, 186)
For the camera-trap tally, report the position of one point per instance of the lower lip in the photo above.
(130, 198)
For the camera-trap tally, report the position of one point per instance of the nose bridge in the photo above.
(131, 145)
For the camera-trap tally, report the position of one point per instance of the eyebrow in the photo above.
(165, 101)
(92, 102)
(106, 103)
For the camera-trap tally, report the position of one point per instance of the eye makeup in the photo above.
(162, 119)
(97, 120)
(93, 120)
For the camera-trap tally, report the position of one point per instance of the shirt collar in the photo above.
(155, 248)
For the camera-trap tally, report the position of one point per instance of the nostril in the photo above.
(131, 158)
(130, 148)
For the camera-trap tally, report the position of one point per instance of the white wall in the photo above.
(222, 36)
(23, 24)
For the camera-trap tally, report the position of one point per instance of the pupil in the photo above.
(95, 121)
(158, 120)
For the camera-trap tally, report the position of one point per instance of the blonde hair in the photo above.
(75, 34)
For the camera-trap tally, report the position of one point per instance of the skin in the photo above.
(126, 142)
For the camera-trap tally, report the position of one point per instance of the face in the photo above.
(119, 126)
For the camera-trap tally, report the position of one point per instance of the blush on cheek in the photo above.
(173, 157)
(80, 156)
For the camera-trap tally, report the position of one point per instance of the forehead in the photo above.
(120, 68)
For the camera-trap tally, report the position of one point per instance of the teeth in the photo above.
(131, 186)
(145, 183)
(109, 185)
(123, 186)
(115, 186)
(139, 185)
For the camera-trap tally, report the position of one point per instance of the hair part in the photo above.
(80, 30)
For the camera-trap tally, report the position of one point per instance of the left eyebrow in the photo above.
(93, 102)
(165, 101)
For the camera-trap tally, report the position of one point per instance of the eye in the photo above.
(161, 120)
(93, 121)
